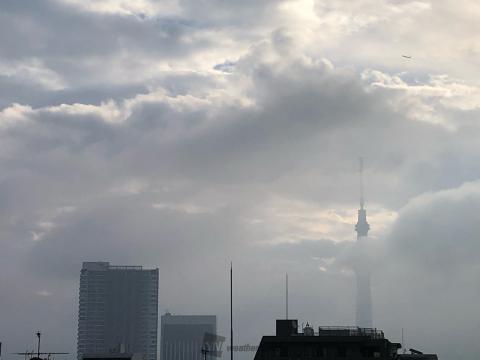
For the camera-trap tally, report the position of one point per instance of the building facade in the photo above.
(185, 336)
(332, 343)
(118, 310)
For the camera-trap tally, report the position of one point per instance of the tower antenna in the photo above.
(362, 191)
(364, 295)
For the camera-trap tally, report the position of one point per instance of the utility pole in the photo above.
(231, 311)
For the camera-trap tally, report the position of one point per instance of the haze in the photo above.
(185, 134)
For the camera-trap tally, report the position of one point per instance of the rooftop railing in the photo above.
(350, 331)
(126, 267)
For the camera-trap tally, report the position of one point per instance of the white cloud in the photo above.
(128, 7)
(130, 187)
(34, 71)
(294, 221)
(438, 100)
(189, 209)
(43, 293)
(14, 115)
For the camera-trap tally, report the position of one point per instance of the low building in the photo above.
(349, 343)
(184, 337)
(113, 356)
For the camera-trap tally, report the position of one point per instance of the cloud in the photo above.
(33, 70)
(428, 268)
(437, 231)
(188, 134)
(142, 7)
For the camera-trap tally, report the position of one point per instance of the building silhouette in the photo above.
(118, 311)
(347, 343)
(113, 356)
(183, 337)
(361, 267)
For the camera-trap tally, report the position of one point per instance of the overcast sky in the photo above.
(185, 134)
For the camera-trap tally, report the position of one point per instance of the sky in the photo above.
(186, 134)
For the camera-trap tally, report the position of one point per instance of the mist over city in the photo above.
(333, 141)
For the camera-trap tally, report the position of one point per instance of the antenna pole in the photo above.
(286, 296)
(231, 311)
(38, 346)
(360, 170)
(403, 346)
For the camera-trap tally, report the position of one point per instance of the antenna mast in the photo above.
(31, 354)
(38, 346)
(402, 340)
(360, 170)
(286, 296)
(231, 311)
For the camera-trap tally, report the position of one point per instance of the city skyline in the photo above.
(189, 134)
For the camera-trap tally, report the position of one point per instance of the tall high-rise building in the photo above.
(362, 270)
(118, 310)
(184, 336)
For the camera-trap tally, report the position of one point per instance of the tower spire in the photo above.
(364, 295)
(362, 194)
(362, 226)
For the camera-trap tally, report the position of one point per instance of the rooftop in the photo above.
(350, 331)
(104, 266)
